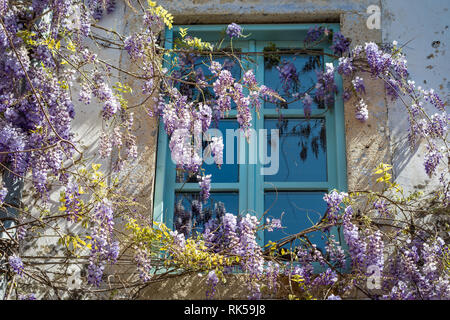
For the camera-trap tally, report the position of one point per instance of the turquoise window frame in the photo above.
(251, 198)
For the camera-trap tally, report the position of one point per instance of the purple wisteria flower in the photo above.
(103, 246)
(183, 128)
(356, 246)
(16, 264)
(358, 85)
(244, 117)
(345, 66)
(217, 150)
(179, 239)
(382, 207)
(215, 67)
(346, 95)
(326, 86)
(272, 272)
(438, 125)
(143, 262)
(272, 224)
(375, 247)
(29, 296)
(205, 185)
(211, 280)
(105, 145)
(336, 253)
(327, 278)
(416, 273)
(432, 159)
(432, 97)
(288, 75)
(13, 139)
(251, 253)
(3, 7)
(72, 202)
(85, 94)
(85, 23)
(334, 200)
(134, 46)
(340, 44)
(229, 231)
(378, 60)
(307, 103)
(204, 114)
(314, 34)
(361, 112)
(249, 79)
(3, 193)
(21, 232)
(234, 30)
(221, 232)
(222, 86)
(392, 87)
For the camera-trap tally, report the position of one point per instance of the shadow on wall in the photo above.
(188, 287)
(368, 142)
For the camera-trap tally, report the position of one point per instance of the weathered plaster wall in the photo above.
(367, 143)
(137, 178)
(87, 127)
(422, 27)
(261, 11)
(88, 124)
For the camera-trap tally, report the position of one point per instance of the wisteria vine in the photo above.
(47, 68)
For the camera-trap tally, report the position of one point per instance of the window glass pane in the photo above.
(297, 211)
(190, 214)
(302, 149)
(228, 172)
(291, 75)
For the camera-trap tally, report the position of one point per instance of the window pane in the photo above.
(191, 214)
(227, 172)
(297, 211)
(290, 75)
(302, 149)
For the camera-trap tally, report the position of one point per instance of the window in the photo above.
(311, 149)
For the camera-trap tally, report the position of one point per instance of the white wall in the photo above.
(417, 25)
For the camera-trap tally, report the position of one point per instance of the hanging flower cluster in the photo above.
(37, 72)
(104, 248)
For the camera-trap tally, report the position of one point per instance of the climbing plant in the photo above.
(50, 69)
